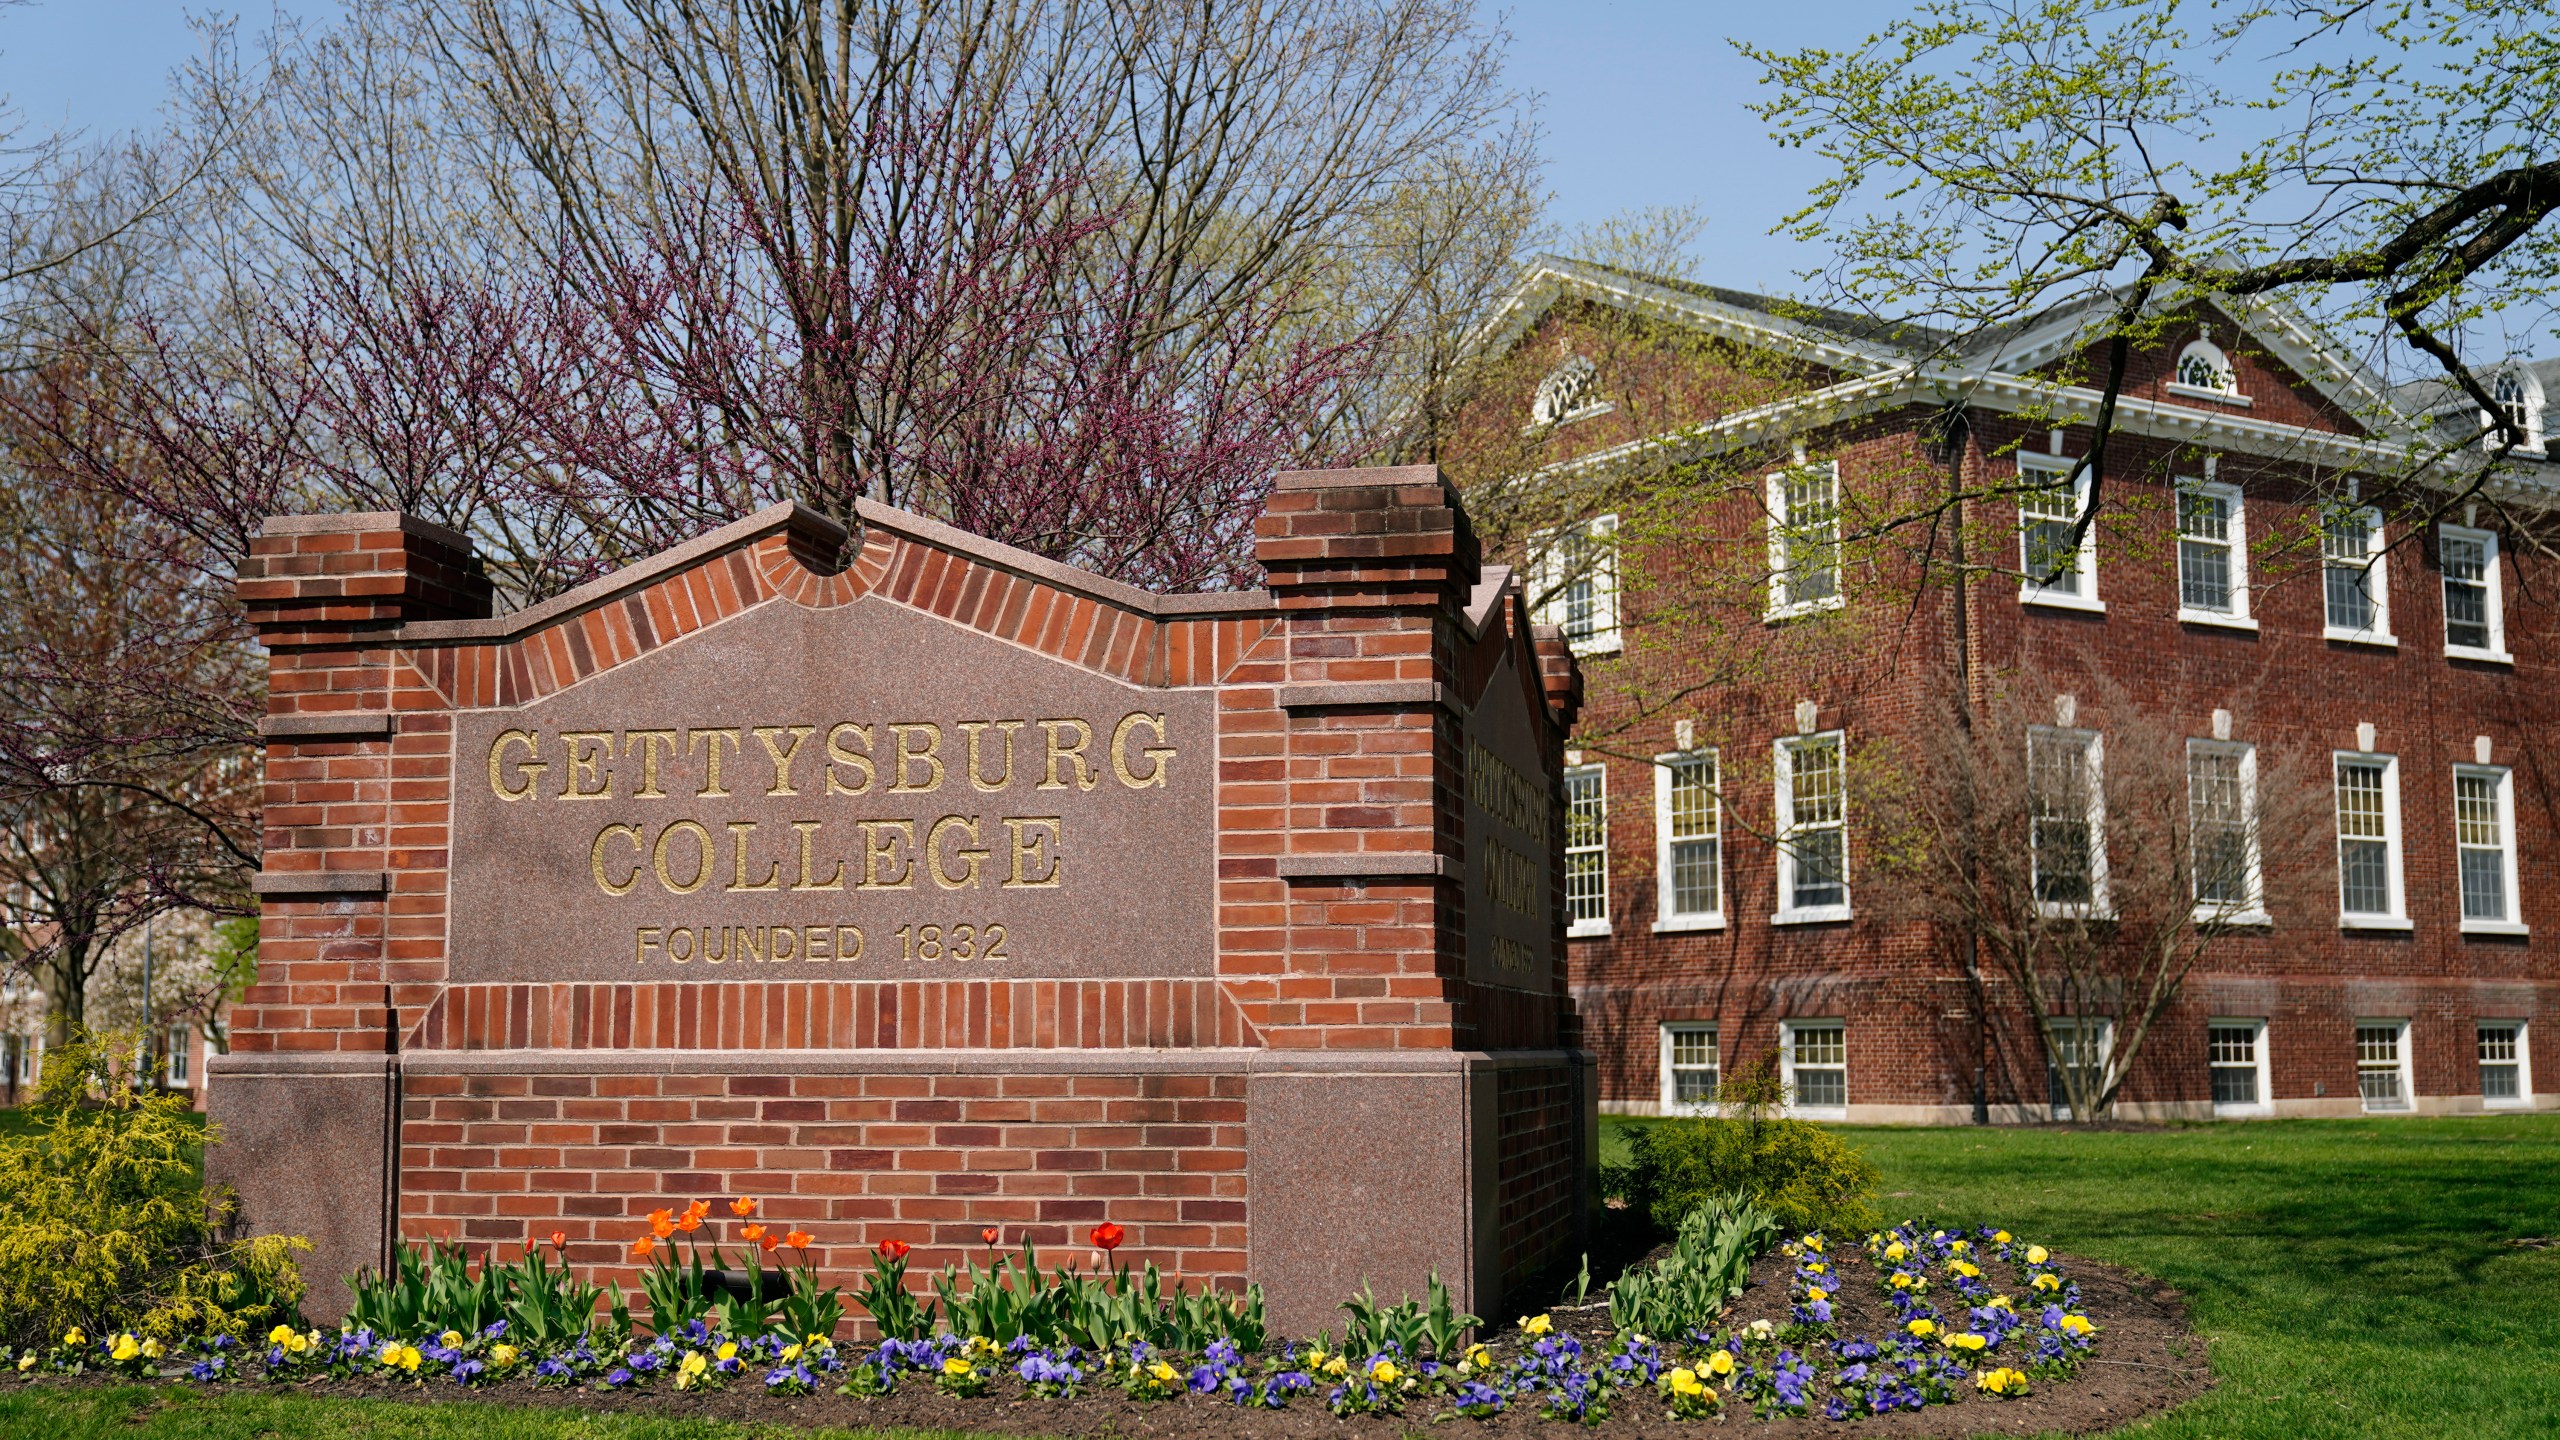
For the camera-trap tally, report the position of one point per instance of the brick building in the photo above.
(2259, 571)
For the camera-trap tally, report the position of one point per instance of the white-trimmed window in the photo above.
(2506, 1064)
(2202, 370)
(1813, 828)
(178, 1065)
(2235, 1053)
(1814, 1056)
(1566, 394)
(1804, 540)
(2222, 817)
(2052, 496)
(2519, 397)
(2067, 820)
(2352, 581)
(1576, 579)
(1690, 1068)
(1586, 850)
(2369, 890)
(2475, 626)
(1688, 841)
(2080, 1045)
(2484, 841)
(2213, 555)
(2382, 1064)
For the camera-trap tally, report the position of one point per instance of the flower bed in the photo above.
(1913, 1331)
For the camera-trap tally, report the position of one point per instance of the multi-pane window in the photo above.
(1689, 851)
(2213, 566)
(1817, 1064)
(2236, 1054)
(1586, 849)
(2484, 844)
(1576, 578)
(181, 1057)
(2503, 1080)
(1813, 827)
(2382, 1063)
(2351, 576)
(2368, 837)
(1804, 539)
(2520, 401)
(2079, 1047)
(2474, 626)
(2221, 804)
(1690, 1067)
(2058, 569)
(2067, 818)
(2203, 366)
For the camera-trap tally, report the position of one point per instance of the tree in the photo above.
(2094, 852)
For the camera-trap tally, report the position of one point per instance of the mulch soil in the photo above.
(2147, 1360)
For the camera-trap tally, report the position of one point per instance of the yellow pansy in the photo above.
(1336, 1368)
(27, 1361)
(151, 1350)
(2003, 1381)
(299, 1344)
(814, 1340)
(1922, 1328)
(396, 1356)
(1536, 1324)
(1479, 1357)
(1966, 1341)
(1813, 1243)
(73, 1336)
(2078, 1324)
(728, 1350)
(956, 1365)
(2047, 1282)
(502, 1354)
(449, 1339)
(790, 1353)
(281, 1335)
(1385, 1372)
(1817, 1267)
(2037, 1254)
(2000, 1302)
(125, 1348)
(1684, 1381)
(1959, 1246)
(1895, 1251)
(1815, 1294)
(1720, 1363)
(2000, 1236)
(1165, 1374)
(1901, 1282)
(690, 1369)
(1966, 1268)
(1937, 1234)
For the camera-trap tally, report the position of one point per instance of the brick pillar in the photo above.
(307, 1101)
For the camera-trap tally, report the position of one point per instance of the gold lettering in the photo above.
(782, 756)
(739, 830)
(651, 744)
(687, 936)
(642, 942)
(838, 755)
(1086, 779)
(855, 953)
(528, 770)
(1027, 843)
(815, 941)
(747, 947)
(930, 756)
(977, 777)
(877, 850)
(808, 859)
(595, 859)
(579, 774)
(702, 864)
(709, 955)
(1158, 752)
(786, 943)
(711, 785)
(967, 826)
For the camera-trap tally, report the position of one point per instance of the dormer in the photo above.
(2518, 394)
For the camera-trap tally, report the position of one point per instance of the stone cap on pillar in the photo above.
(1559, 674)
(1380, 538)
(317, 579)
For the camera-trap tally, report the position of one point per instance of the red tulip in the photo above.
(894, 1249)
(990, 1234)
(1107, 1236)
(560, 1239)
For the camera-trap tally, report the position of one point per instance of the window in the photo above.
(2351, 577)
(2203, 369)
(2474, 625)
(1688, 849)
(1689, 1068)
(2505, 1071)
(2081, 1047)
(2213, 555)
(2051, 499)
(2484, 840)
(1804, 540)
(1576, 581)
(1586, 850)
(181, 1056)
(2222, 803)
(2235, 1052)
(1813, 829)
(2067, 825)
(1815, 1057)
(2382, 1064)
(2519, 398)
(2369, 841)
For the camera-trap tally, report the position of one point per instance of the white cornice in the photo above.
(1549, 277)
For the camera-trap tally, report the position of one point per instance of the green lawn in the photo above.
(138, 1412)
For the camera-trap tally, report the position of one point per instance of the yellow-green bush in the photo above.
(105, 1225)
(1805, 1176)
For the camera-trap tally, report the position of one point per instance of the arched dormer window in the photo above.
(1566, 393)
(2203, 369)
(2519, 398)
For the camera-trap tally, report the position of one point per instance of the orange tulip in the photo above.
(690, 1223)
(560, 1239)
(657, 1215)
(768, 1242)
(742, 1208)
(661, 1226)
(991, 1234)
(698, 1209)
(753, 1232)
(641, 1247)
(798, 1239)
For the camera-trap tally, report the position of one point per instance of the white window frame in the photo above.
(2377, 582)
(2504, 780)
(1562, 396)
(2493, 597)
(2227, 392)
(2252, 910)
(2076, 1025)
(1781, 547)
(1788, 1030)
(2523, 1098)
(2039, 472)
(178, 1061)
(2529, 399)
(2397, 918)
(2408, 1079)
(1788, 912)
(2235, 546)
(1668, 919)
(1574, 928)
(2256, 1025)
(1671, 1030)
(1555, 558)
(2093, 751)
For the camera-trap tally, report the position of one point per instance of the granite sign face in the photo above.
(1510, 840)
(854, 793)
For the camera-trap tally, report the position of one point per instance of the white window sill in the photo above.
(2057, 910)
(2207, 914)
(2243, 1112)
(1587, 930)
(2377, 638)
(2374, 922)
(2485, 657)
(1586, 412)
(1602, 644)
(2198, 392)
(1686, 924)
(2496, 927)
(2218, 618)
(1813, 915)
(1806, 1112)
(2404, 1108)
(2516, 1104)
(1778, 613)
(2061, 600)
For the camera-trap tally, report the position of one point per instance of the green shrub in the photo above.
(107, 1226)
(1805, 1176)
